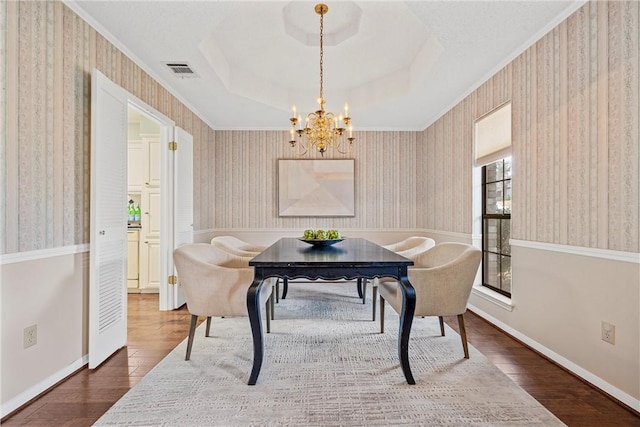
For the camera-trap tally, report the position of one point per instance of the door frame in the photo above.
(167, 218)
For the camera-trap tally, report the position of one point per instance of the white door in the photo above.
(108, 234)
(183, 184)
(177, 209)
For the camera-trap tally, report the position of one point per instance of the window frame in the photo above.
(494, 216)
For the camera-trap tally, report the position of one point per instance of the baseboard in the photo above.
(592, 379)
(36, 390)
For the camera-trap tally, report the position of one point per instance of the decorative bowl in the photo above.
(326, 242)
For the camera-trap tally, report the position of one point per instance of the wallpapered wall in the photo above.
(575, 148)
(246, 165)
(575, 109)
(575, 135)
(45, 140)
(45, 144)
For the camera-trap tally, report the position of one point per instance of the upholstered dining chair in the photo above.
(215, 283)
(237, 246)
(410, 244)
(408, 248)
(442, 277)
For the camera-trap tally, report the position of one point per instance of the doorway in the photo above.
(143, 202)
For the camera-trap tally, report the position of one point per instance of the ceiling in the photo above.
(399, 64)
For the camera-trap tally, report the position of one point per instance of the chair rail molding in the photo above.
(43, 253)
(632, 257)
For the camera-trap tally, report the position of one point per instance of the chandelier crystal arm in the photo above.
(322, 130)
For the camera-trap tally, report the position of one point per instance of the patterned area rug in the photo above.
(326, 364)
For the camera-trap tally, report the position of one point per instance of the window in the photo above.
(496, 226)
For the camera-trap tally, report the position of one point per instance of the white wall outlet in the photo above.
(30, 336)
(609, 333)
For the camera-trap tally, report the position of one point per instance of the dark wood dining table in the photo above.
(350, 259)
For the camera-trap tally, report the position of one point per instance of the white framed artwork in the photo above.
(316, 188)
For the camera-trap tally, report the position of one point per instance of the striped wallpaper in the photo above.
(45, 136)
(575, 132)
(575, 100)
(246, 181)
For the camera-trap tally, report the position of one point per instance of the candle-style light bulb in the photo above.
(299, 121)
(346, 110)
(294, 110)
(350, 131)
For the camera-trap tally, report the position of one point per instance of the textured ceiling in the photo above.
(400, 65)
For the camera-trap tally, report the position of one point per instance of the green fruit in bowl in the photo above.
(309, 235)
(321, 235)
(333, 234)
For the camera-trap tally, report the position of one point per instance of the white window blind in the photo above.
(493, 135)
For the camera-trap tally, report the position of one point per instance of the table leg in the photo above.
(359, 288)
(285, 287)
(406, 319)
(255, 319)
(364, 290)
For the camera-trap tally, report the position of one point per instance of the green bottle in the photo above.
(130, 212)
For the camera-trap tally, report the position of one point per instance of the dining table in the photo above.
(348, 259)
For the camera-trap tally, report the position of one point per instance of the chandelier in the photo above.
(322, 129)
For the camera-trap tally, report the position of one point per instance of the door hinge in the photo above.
(173, 146)
(173, 280)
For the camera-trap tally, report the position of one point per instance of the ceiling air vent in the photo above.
(181, 69)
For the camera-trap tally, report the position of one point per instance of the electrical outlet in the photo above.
(30, 336)
(609, 333)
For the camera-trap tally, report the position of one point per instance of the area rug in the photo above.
(326, 364)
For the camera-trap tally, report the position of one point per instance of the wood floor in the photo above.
(84, 397)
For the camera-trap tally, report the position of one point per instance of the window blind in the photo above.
(492, 135)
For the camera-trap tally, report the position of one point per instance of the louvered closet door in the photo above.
(108, 256)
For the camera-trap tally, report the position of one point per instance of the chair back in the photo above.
(405, 244)
(418, 246)
(214, 282)
(237, 246)
(443, 278)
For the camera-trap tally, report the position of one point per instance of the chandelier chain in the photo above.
(321, 129)
(321, 54)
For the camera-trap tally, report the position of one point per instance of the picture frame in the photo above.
(316, 188)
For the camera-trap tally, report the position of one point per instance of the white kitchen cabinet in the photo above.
(150, 207)
(133, 265)
(150, 240)
(143, 163)
(149, 265)
(152, 154)
(144, 186)
(136, 168)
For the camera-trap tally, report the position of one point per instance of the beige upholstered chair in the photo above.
(237, 246)
(410, 245)
(215, 283)
(442, 277)
(408, 248)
